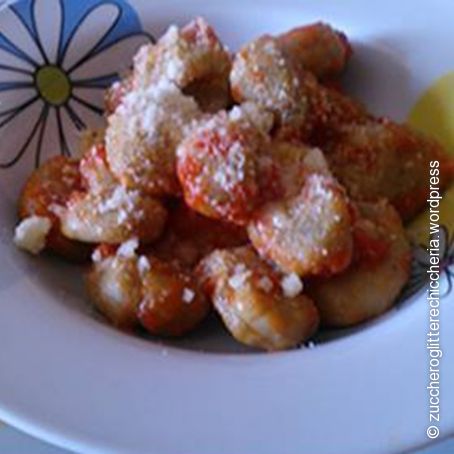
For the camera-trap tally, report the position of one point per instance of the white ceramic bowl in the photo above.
(69, 378)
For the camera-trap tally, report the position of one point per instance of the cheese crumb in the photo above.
(143, 265)
(310, 345)
(128, 248)
(266, 284)
(315, 161)
(188, 295)
(96, 257)
(241, 274)
(30, 235)
(291, 285)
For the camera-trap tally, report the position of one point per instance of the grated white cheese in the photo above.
(30, 235)
(240, 276)
(315, 161)
(232, 170)
(188, 295)
(291, 285)
(112, 289)
(236, 113)
(159, 113)
(96, 257)
(124, 202)
(318, 188)
(171, 36)
(120, 198)
(143, 264)
(128, 248)
(266, 284)
(255, 114)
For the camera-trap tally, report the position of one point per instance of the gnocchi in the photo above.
(249, 296)
(378, 273)
(248, 183)
(47, 191)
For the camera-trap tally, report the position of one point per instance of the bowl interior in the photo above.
(55, 64)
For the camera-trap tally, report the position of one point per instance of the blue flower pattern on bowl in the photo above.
(56, 58)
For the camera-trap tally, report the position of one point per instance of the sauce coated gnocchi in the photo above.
(246, 183)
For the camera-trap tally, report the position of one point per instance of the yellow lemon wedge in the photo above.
(433, 114)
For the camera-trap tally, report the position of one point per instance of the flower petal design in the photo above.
(70, 133)
(115, 59)
(446, 285)
(94, 27)
(421, 256)
(43, 107)
(14, 65)
(92, 100)
(14, 100)
(14, 76)
(27, 122)
(50, 145)
(86, 110)
(443, 238)
(64, 131)
(451, 252)
(15, 32)
(48, 19)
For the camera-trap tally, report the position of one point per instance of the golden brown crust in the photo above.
(248, 295)
(48, 189)
(318, 48)
(193, 59)
(190, 236)
(112, 216)
(372, 283)
(217, 164)
(114, 287)
(386, 160)
(172, 304)
(262, 74)
(143, 134)
(308, 234)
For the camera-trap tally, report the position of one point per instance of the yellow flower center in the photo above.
(53, 85)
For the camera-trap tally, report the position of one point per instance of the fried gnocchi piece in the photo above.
(304, 109)
(89, 138)
(114, 284)
(115, 94)
(386, 160)
(259, 307)
(378, 273)
(309, 234)
(217, 164)
(211, 95)
(143, 134)
(189, 237)
(172, 303)
(330, 109)
(318, 48)
(48, 188)
(130, 289)
(112, 216)
(261, 73)
(192, 58)
(95, 170)
(284, 167)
